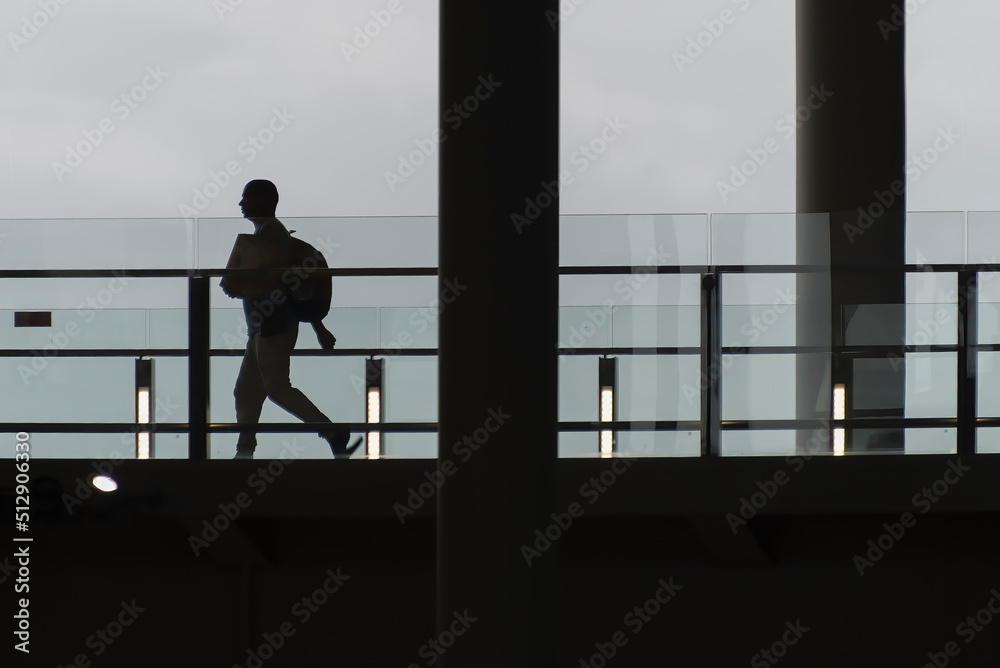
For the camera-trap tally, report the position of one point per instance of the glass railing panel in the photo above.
(659, 443)
(579, 444)
(658, 387)
(68, 389)
(931, 385)
(759, 443)
(930, 441)
(107, 451)
(988, 387)
(754, 238)
(585, 326)
(77, 330)
(168, 327)
(94, 243)
(344, 242)
(984, 237)
(403, 327)
(656, 326)
(633, 240)
(630, 290)
(989, 307)
(988, 440)
(411, 389)
(579, 392)
(411, 446)
(935, 237)
(758, 310)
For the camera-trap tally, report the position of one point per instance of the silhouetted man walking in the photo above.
(273, 328)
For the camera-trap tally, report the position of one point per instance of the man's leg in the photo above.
(250, 395)
(273, 358)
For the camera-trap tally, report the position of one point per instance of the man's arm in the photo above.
(326, 338)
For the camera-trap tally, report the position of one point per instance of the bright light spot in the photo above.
(839, 402)
(143, 406)
(104, 483)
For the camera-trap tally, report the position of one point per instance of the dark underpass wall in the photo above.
(642, 592)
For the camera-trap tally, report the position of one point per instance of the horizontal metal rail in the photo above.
(584, 270)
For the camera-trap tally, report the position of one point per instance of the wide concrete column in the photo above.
(497, 384)
(851, 156)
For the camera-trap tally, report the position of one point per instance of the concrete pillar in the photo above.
(851, 155)
(499, 238)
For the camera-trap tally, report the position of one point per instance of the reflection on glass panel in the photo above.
(633, 241)
(757, 442)
(935, 237)
(874, 324)
(69, 389)
(660, 443)
(877, 383)
(124, 244)
(930, 441)
(656, 326)
(931, 385)
(759, 387)
(661, 387)
(753, 238)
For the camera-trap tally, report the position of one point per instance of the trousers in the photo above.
(264, 374)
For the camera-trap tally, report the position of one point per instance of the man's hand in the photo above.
(326, 338)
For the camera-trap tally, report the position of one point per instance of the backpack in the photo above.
(309, 294)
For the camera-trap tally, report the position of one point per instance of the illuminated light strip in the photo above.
(607, 415)
(374, 416)
(607, 380)
(143, 402)
(839, 413)
(374, 373)
(142, 443)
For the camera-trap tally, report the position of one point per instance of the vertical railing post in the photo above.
(968, 322)
(198, 366)
(711, 364)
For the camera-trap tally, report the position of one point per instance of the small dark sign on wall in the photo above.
(32, 318)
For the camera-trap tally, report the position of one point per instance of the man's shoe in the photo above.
(341, 449)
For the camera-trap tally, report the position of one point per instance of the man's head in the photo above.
(260, 199)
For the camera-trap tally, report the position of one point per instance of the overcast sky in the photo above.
(338, 119)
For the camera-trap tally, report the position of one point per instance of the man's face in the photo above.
(244, 205)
